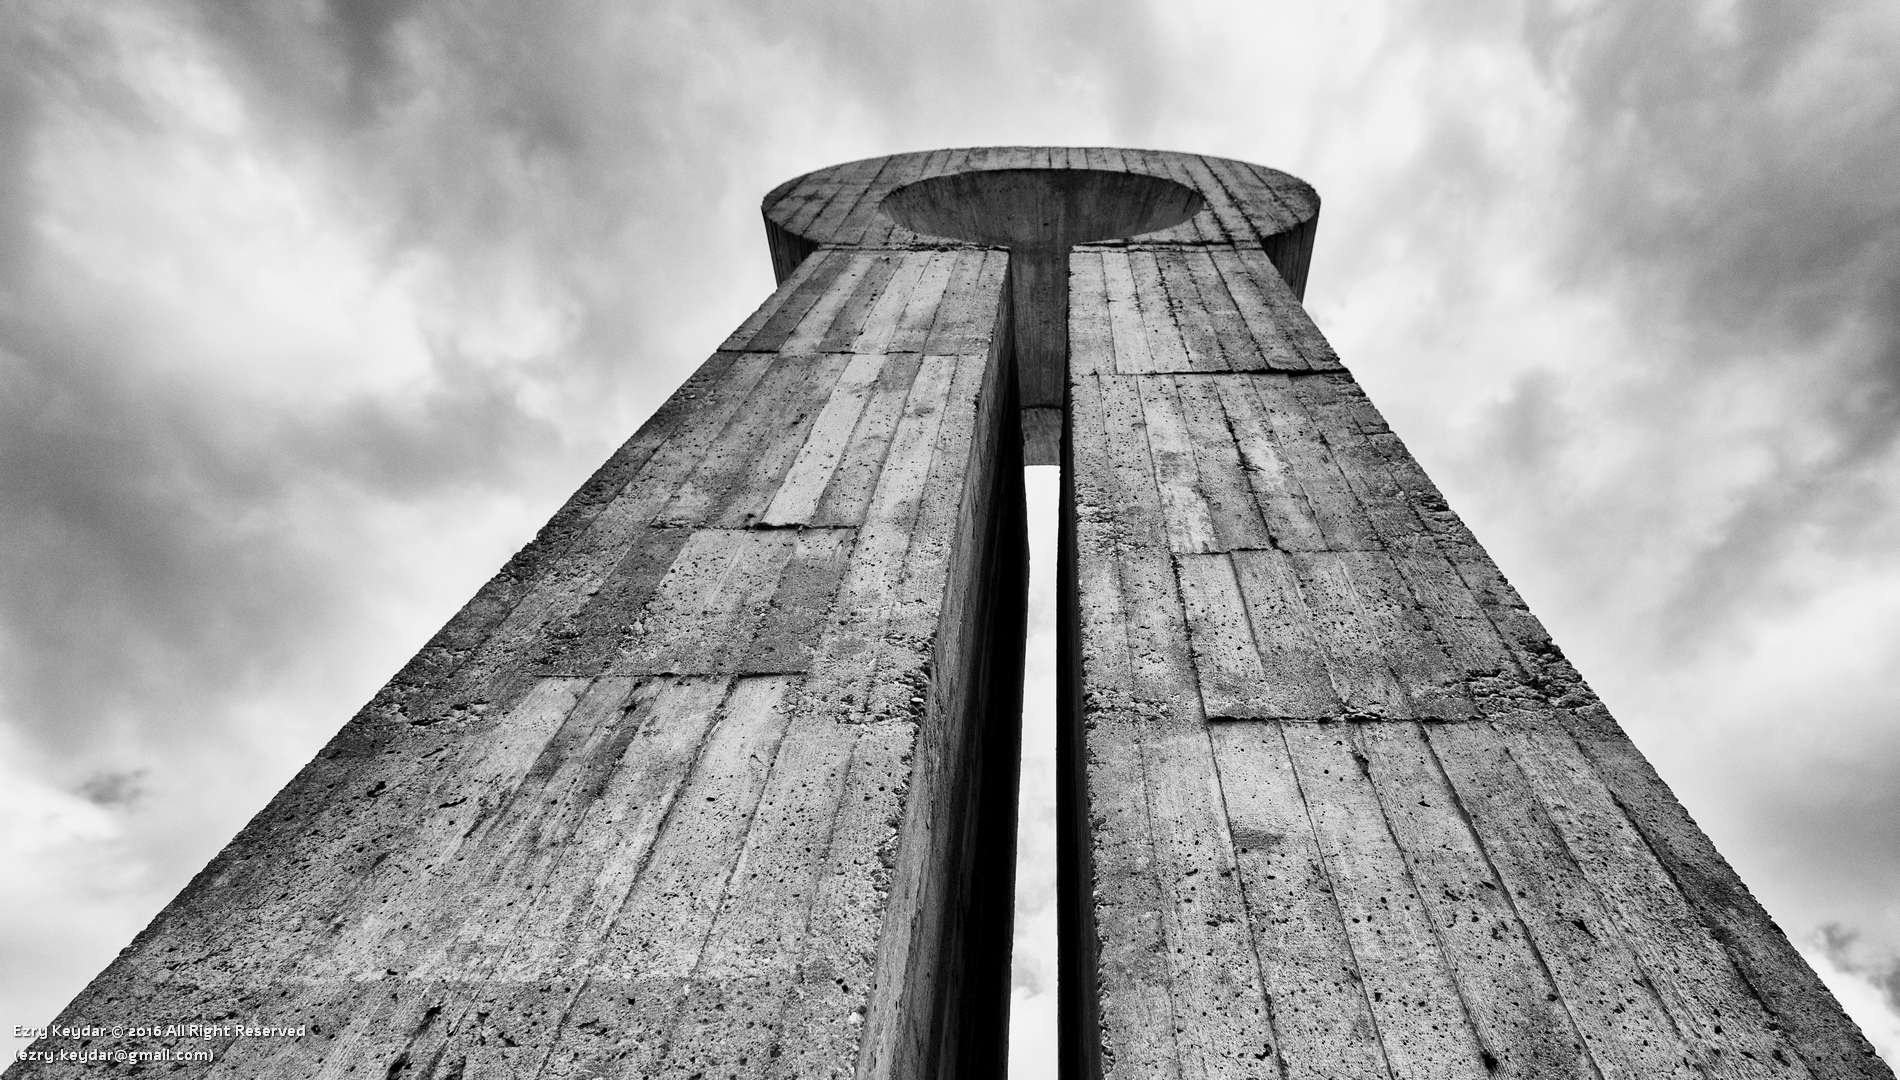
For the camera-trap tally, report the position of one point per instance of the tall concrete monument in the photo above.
(716, 778)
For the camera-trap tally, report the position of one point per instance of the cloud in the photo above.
(1841, 945)
(1868, 987)
(114, 789)
(1728, 164)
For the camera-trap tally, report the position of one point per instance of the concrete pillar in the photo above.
(717, 776)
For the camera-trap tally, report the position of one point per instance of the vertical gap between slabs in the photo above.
(1033, 967)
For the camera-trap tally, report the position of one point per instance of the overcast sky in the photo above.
(311, 313)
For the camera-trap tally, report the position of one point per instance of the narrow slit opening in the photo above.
(1033, 965)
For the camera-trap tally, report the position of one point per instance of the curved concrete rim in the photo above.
(840, 205)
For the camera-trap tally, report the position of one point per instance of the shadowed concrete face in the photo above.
(1039, 214)
(1035, 209)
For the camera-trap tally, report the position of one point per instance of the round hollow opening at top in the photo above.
(1041, 208)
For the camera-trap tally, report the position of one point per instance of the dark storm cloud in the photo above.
(1812, 785)
(1532, 423)
(16, 125)
(153, 559)
(153, 532)
(114, 789)
(500, 134)
(333, 64)
(362, 30)
(493, 124)
(1731, 172)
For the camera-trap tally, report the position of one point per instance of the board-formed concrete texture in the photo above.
(716, 777)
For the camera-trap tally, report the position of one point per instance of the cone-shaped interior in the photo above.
(1041, 208)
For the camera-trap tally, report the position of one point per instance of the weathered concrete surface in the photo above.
(716, 777)
(1039, 214)
(1337, 805)
(1039, 203)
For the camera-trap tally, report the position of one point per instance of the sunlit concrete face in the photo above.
(716, 776)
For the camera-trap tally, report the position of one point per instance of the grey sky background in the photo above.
(311, 313)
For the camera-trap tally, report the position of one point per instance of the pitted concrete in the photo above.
(716, 776)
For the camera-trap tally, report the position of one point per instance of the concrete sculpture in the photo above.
(717, 777)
